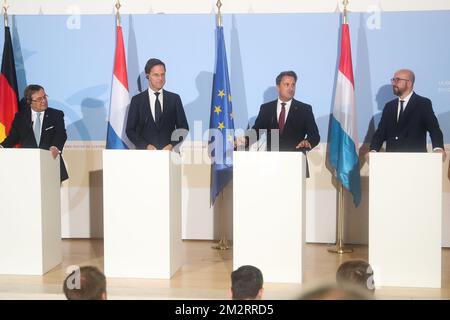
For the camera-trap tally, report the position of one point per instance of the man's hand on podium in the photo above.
(151, 147)
(240, 142)
(55, 151)
(444, 155)
(303, 144)
(168, 147)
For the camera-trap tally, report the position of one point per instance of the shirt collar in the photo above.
(406, 99)
(288, 103)
(150, 90)
(34, 113)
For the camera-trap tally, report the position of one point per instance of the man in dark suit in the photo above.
(405, 121)
(38, 126)
(156, 118)
(289, 124)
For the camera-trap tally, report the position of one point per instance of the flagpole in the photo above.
(340, 247)
(223, 243)
(118, 5)
(345, 3)
(219, 14)
(5, 12)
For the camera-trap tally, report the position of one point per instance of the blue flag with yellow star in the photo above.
(221, 137)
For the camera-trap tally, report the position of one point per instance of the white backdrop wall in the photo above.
(65, 7)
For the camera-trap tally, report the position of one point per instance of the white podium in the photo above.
(405, 212)
(142, 213)
(30, 214)
(269, 213)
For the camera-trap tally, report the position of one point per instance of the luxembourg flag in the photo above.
(344, 132)
(116, 137)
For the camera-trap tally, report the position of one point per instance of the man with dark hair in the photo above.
(155, 114)
(293, 120)
(405, 120)
(85, 283)
(38, 126)
(247, 283)
(289, 124)
(357, 273)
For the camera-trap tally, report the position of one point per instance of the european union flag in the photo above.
(221, 140)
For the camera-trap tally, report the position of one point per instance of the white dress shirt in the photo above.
(152, 97)
(405, 103)
(286, 107)
(34, 116)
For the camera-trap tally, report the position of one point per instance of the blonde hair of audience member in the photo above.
(85, 283)
(358, 273)
(247, 283)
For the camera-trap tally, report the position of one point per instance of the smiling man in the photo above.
(38, 126)
(156, 113)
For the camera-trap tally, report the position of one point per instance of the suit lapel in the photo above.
(408, 110)
(165, 106)
(409, 107)
(29, 126)
(45, 121)
(28, 122)
(293, 110)
(147, 113)
(274, 124)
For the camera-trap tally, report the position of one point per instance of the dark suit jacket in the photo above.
(300, 124)
(53, 133)
(410, 134)
(141, 127)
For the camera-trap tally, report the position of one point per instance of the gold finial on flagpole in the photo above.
(118, 5)
(219, 14)
(5, 12)
(345, 3)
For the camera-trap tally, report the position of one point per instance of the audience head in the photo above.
(335, 292)
(85, 283)
(247, 283)
(356, 272)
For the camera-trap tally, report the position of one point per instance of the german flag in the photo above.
(9, 99)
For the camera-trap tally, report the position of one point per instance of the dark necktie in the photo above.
(401, 110)
(281, 119)
(158, 111)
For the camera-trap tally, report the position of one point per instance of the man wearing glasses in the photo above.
(405, 121)
(38, 126)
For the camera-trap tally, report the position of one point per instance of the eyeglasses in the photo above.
(395, 80)
(40, 99)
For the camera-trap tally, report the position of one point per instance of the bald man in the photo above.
(406, 120)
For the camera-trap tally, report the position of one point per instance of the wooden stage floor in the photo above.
(205, 274)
